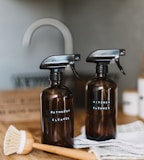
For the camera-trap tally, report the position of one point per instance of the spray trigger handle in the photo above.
(74, 71)
(122, 52)
(119, 66)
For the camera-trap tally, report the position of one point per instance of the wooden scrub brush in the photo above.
(22, 142)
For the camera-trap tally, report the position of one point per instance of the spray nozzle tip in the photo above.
(122, 52)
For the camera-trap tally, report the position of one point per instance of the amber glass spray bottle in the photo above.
(101, 96)
(57, 119)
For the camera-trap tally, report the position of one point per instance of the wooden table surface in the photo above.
(35, 128)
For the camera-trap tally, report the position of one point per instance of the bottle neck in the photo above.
(55, 78)
(102, 70)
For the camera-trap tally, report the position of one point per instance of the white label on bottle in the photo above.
(104, 103)
(60, 119)
(59, 115)
(60, 111)
(101, 105)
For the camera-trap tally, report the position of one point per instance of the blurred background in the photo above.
(94, 25)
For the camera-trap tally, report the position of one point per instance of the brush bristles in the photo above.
(11, 140)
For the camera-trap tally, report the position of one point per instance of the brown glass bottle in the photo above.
(101, 105)
(57, 113)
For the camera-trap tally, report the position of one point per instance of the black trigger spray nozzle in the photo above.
(60, 62)
(107, 56)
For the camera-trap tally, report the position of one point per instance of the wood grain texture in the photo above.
(20, 105)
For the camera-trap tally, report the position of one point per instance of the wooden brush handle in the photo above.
(72, 153)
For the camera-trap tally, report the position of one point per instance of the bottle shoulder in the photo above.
(101, 82)
(57, 90)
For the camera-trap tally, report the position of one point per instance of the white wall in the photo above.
(15, 17)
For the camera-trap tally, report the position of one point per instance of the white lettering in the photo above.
(101, 102)
(101, 108)
(60, 111)
(60, 119)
